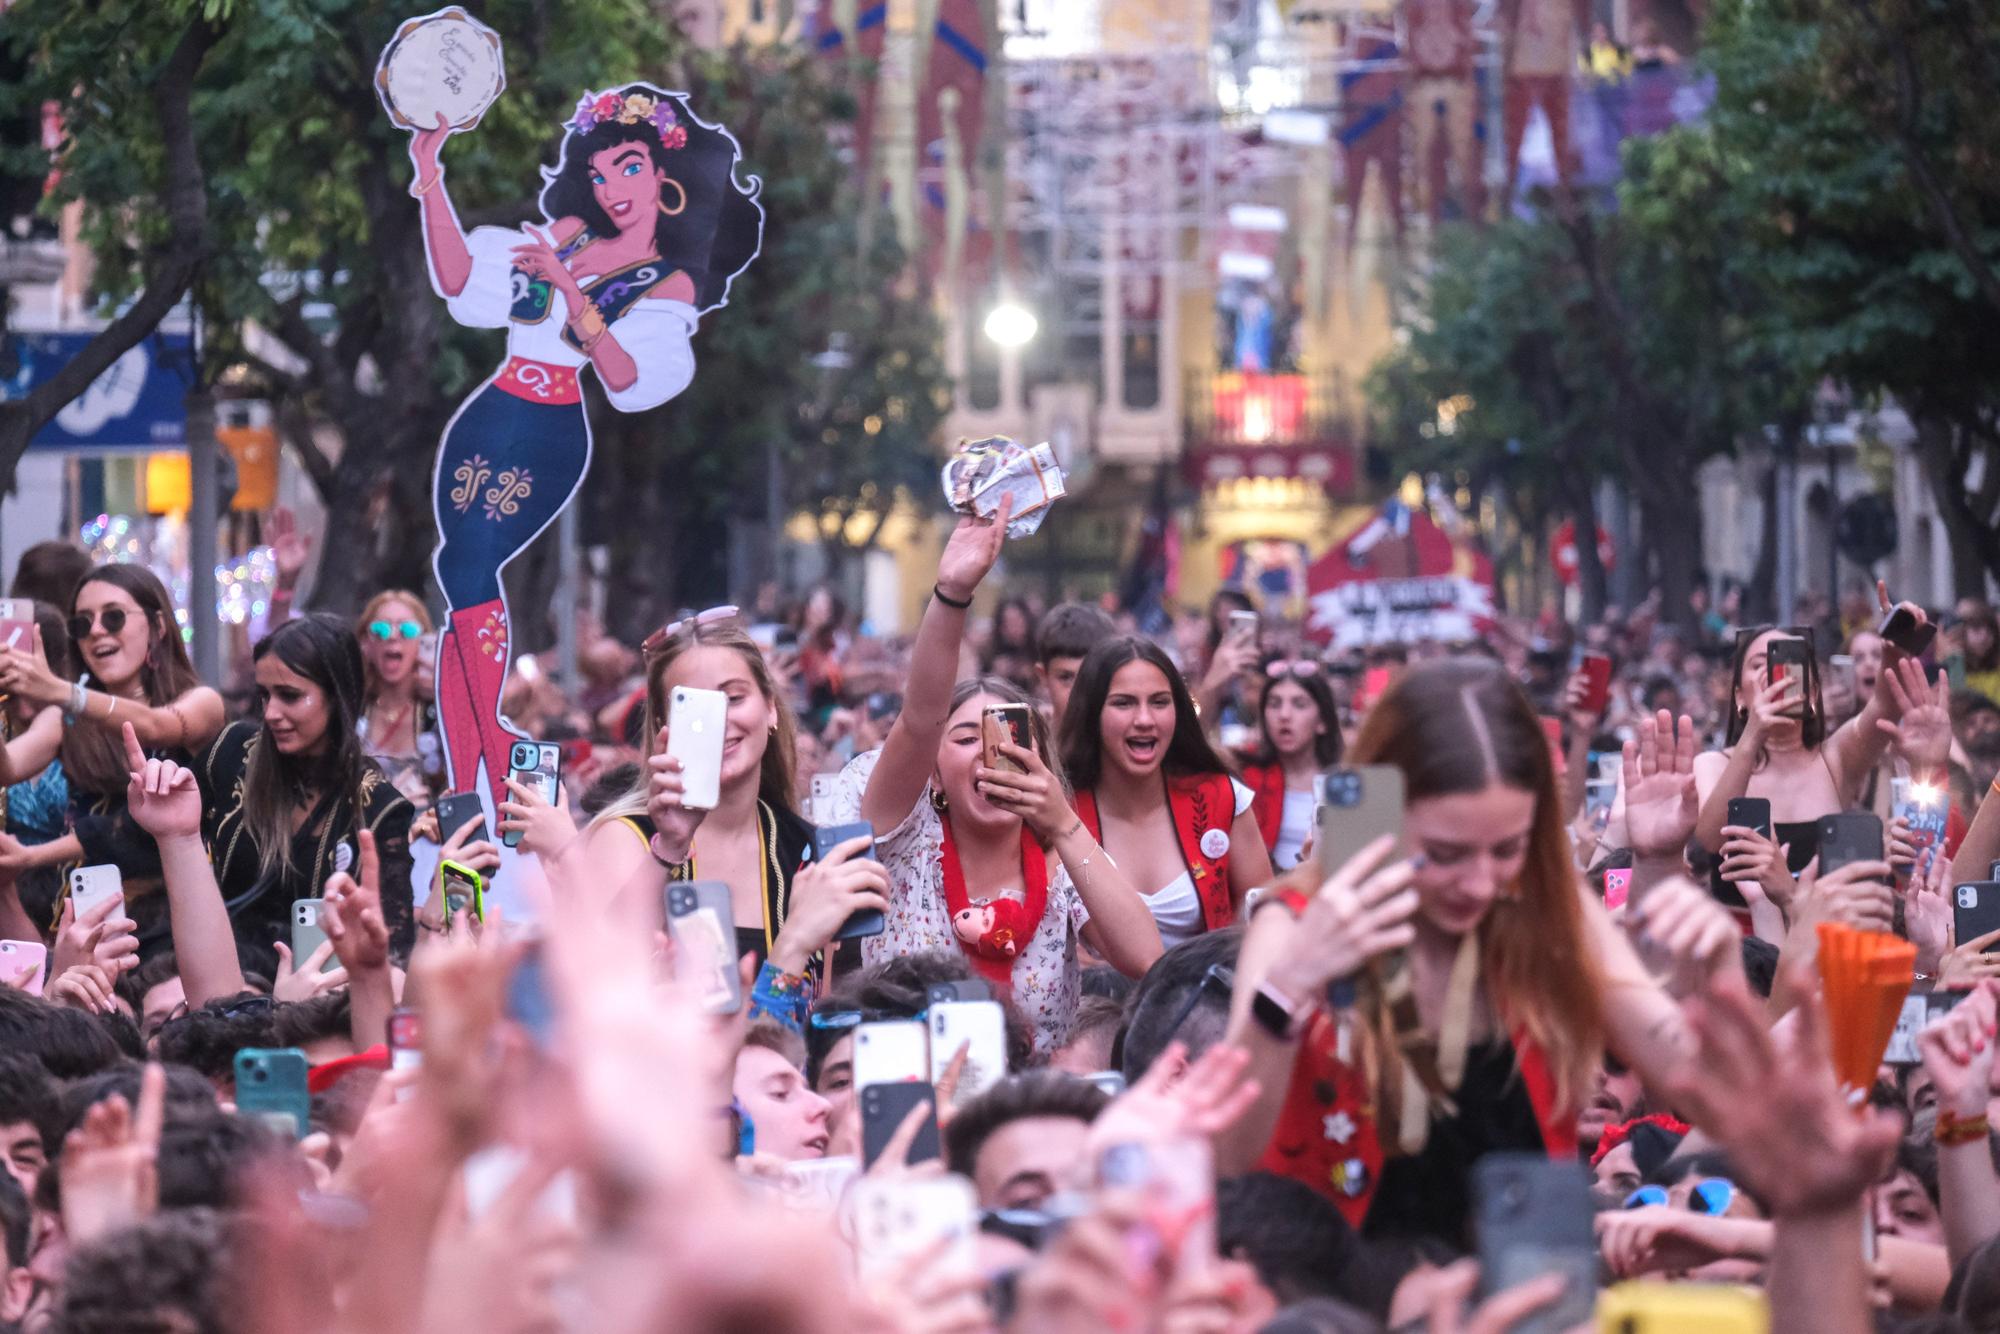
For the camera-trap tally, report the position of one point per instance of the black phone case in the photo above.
(869, 921)
(1851, 836)
(1533, 1216)
(454, 809)
(883, 1107)
(1978, 916)
(964, 989)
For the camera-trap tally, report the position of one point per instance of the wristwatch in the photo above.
(1276, 1013)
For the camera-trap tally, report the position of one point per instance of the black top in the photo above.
(788, 846)
(260, 908)
(1801, 841)
(1430, 1194)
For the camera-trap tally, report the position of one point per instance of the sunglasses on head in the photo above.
(1292, 667)
(658, 639)
(111, 618)
(386, 631)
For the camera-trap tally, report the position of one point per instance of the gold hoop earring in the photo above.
(938, 801)
(678, 209)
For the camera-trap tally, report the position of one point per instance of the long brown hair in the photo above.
(1188, 752)
(1458, 726)
(320, 648)
(1000, 688)
(776, 777)
(1812, 724)
(93, 755)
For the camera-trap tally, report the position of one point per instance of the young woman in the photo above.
(1979, 638)
(136, 671)
(990, 861)
(1152, 789)
(398, 719)
(646, 227)
(754, 840)
(283, 798)
(1300, 727)
(820, 624)
(1485, 985)
(1779, 749)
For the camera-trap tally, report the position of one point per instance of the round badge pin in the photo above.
(343, 856)
(1215, 844)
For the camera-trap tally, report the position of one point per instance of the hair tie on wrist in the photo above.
(950, 601)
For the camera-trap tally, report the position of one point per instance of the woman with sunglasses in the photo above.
(1779, 748)
(1152, 789)
(1299, 727)
(285, 798)
(136, 671)
(398, 715)
(988, 861)
(754, 841)
(1406, 1017)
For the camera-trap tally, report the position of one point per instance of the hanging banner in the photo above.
(645, 223)
(1400, 579)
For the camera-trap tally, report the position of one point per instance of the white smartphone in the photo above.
(17, 624)
(308, 935)
(899, 1216)
(22, 963)
(981, 1028)
(489, 1172)
(695, 721)
(895, 1052)
(822, 811)
(91, 885)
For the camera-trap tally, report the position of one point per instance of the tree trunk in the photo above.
(1671, 512)
(1760, 600)
(1592, 585)
(1945, 452)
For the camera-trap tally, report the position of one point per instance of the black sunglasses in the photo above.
(111, 618)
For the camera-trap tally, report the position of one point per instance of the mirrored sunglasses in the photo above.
(386, 631)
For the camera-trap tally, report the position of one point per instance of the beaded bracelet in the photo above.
(1954, 1129)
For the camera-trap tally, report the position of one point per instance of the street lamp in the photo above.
(1010, 324)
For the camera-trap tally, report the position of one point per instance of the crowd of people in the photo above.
(1096, 1022)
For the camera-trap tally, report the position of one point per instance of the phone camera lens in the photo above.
(259, 1074)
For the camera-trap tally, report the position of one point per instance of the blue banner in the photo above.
(139, 403)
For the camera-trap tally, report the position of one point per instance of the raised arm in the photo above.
(31, 752)
(1958, 1054)
(1861, 742)
(165, 801)
(444, 239)
(1731, 769)
(910, 751)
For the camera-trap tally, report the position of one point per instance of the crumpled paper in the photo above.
(982, 472)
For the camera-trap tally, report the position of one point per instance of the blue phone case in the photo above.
(271, 1087)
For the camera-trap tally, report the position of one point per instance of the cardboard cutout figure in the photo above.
(645, 223)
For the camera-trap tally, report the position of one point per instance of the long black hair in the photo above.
(322, 649)
(1812, 724)
(1082, 725)
(721, 228)
(93, 752)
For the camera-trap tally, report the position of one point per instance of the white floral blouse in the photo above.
(1047, 980)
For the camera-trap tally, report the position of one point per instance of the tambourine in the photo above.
(444, 64)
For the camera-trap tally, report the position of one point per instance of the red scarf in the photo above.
(1199, 804)
(994, 931)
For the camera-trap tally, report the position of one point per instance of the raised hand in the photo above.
(425, 145)
(1858, 895)
(162, 796)
(824, 895)
(1036, 796)
(85, 987)
(1686, 936)
(475, 854)
(302, 979)
(1970, 963)
(1364, 910)
(1773, 707)
(1749, 860)
(1957, 1049)
(674, 824)
(544, 829)
(290, 548)
(110, 1176)
(971, 550)
(1174, 1099)
(351, 913)
(1922, 731)
(105, 937)
(1661, 802)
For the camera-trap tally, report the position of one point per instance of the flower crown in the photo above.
(595, 109)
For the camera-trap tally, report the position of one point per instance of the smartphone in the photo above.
(530, 1003)
(17, 624)
(1532, 1215)
(1174, 1182)
(1750, 813)
(898, 1217)
(1356, 807)
(1900, 628)
(1975, 911)
(91, 885)
(1919, 1009)
(1785, 660)
(1617, 886)
(1110, 1083)
(1243, 626)
(867, 921)
(883, 1107)
(962, 989)
(406, 1038)
(895, 1051)
(1850, 836)
(454, 809)
(1596, 669)
(463, 888)
(271, 1087)
(703, 927)
(1598, 797)
(1651, 1307)
(26, 960)
(1924, 806)
(535, 765)
(695, 721)
(1003, 724)
(981, 1028)
(308, 935)
(822, 797)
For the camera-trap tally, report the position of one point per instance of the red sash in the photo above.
(1326, 1135)
(994, 931)
(1201, 804)
(1267, 785)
